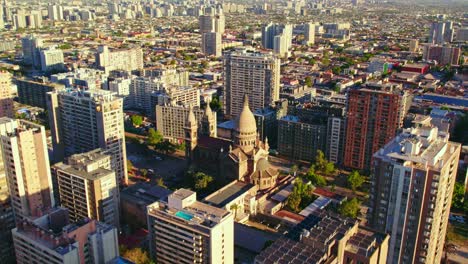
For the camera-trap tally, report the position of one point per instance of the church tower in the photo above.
(209, 123)
(191, 136)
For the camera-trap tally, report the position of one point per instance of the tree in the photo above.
(315, 178)
(308, 81)
(294, 170)
(234, 207)
(166, 146)
(458, 196)
(215, 104)
(129, 165)
(293, 202)
(301, 196)
(329, 168)
(136, 120)
(349, 208)
(355, 180)
(154, 137)
(137, 255)
(144, 172)
(323, 165)
(160, 182)
(201, 180)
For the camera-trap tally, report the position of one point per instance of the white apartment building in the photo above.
(412, 181)
(252, 73)
(126, 59)
(82, 121)
(183, 230)
(27, 169)
(51, 59)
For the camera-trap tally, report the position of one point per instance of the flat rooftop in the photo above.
(144, 193)
(227, 194)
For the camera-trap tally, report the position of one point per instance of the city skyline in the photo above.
(254, 132)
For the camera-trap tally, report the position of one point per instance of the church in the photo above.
(243, 158)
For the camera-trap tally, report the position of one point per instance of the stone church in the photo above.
(243, 158)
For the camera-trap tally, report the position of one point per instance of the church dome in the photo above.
(263, 165)
(246, 123)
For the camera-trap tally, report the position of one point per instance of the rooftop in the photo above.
(228, 193)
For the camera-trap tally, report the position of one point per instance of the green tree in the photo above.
(215, 104)
(137, 255)
(136, 120)
(65, 46)
(315, 178)
(329, 168)
(355, 180)
(294, 170)
(160, 182)
(458, 196)
(336, 70)
(293, 202)
(166, 146)
(350, 208)
(154, 137)
(322, 165)
(201, 181)
(129, 165)
(308, 81)
(234, 207)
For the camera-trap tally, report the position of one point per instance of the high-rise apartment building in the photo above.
(211, 29)
(124, 59)
(186, 230)
(252, 73)
(441, 32)
(413, 45)
(82, 121)
(51, 59)
(412, 180)
(6, 95)
(19, 20)
(87, 187)
(278, 38)
(55, 12)
(31, 50)
(309, 33)
(301, 140)
(444, 55)
(211, 44)
(374, 115)
(27, 169)
(462, 34)
(212, 21)
(52, 239)
(7, 220)
(170, 120)
(34, 91)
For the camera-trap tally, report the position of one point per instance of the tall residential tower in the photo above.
(252, 73)
(82, 121)
(412, 181)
